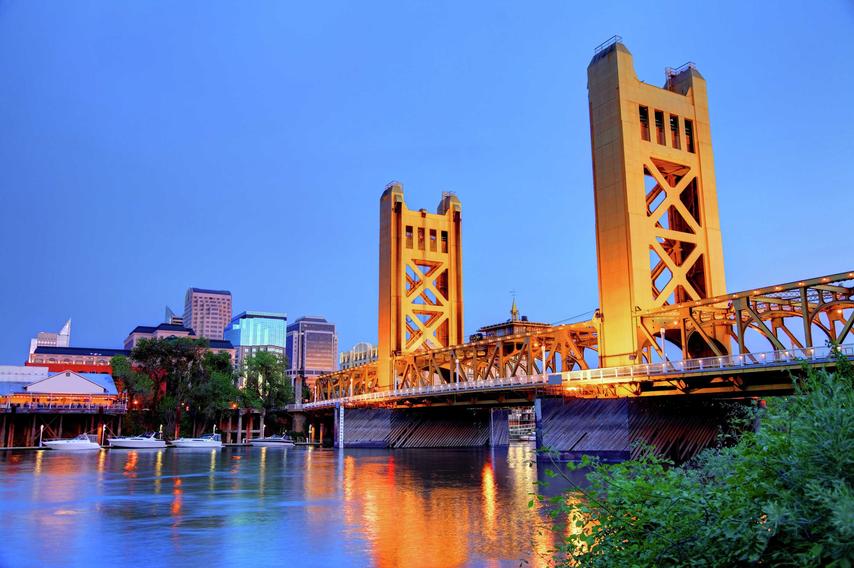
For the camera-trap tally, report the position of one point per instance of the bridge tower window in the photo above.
(689, 135)
(409, 236)
(644, 123)
(659, 127)
(674, 132)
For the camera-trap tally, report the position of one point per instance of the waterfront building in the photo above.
(58, 404)
(360, 354)
(207, 312)
(77, 359)
(516, 324)
(173, 318)
(312, 348)
(51, 339)
(252, 332)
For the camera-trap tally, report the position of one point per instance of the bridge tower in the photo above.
(421, 279)
(657, 229)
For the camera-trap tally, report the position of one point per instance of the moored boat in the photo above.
(144, 441)
(279, 441)
(208, 441)
(81, 443)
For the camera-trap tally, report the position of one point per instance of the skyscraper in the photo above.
(312, 348)
(251, 332)
(51, 339)
(207, 312)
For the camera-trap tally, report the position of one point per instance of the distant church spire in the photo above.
(514, 310)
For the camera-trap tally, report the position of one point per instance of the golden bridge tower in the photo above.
(657, 229)
(421, 279)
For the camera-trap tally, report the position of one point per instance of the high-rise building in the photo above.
(51, 339)
(207, 312)
(172, 318)
(312, 348)
(251, 332)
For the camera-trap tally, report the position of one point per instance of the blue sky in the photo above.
(148, 147)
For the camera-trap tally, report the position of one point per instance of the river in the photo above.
(272, 507)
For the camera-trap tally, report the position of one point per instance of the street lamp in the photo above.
(456, 370)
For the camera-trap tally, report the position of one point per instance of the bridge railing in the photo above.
(630, 373)
(706, 364)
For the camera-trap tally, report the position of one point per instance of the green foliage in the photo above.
(180, 382)
(266, 385)
(780, 496)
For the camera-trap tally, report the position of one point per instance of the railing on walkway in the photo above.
(631, 373)
(706, 364)
(46, 404)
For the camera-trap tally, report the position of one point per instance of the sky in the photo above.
(146, 147)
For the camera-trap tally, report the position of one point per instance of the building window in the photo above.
(409, 236)
(420, 238)
(689, 135)
(433, 240)
(659, 127)
(674, 132)
(445, 241)
(644, 123)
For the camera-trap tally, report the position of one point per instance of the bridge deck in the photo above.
(589, 382)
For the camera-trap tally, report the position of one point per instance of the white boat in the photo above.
(280, 441)
(80, 443)
(144, 441)
(207, 441)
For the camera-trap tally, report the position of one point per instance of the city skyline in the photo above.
(521, 160)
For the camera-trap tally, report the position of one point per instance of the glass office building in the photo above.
(312, 347)
(251, 332)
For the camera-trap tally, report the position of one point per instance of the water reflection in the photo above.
(326, 507)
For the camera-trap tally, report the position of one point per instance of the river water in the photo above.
(272, 506)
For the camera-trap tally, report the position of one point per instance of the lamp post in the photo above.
(457, 370)
(663, 354)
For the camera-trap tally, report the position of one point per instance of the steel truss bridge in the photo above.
(748, 341)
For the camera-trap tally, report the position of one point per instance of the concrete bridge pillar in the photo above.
(619, 429)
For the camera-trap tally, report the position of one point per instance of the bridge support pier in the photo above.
(620, 429)
(440, 427)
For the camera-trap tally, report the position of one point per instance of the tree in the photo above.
(266, 385)
(136, 385)
(779, 496)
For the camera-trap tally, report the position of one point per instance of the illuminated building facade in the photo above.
(207, 312)
(252, 332)
(360, 354)
(311, 348)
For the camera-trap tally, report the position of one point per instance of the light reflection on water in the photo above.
(272, 505)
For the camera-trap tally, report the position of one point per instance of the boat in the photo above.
(208, 441)
(141, 442)
(532, 437)
(278, 441)
(80, 443)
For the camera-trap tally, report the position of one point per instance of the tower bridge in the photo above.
(667, 338)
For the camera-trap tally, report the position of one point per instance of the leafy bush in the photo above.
(780, 496)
